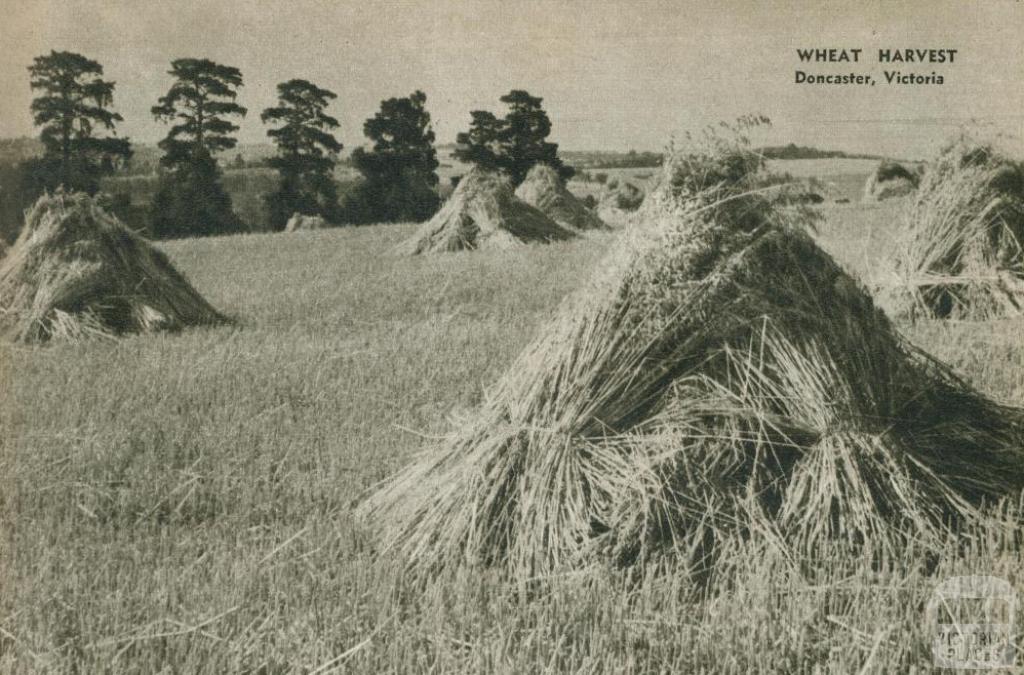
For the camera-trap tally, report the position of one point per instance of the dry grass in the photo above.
(184, 503)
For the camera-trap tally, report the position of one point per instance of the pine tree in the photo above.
(481, 145)
(307, 152)
(74, 105)
(523, 137)
(512, 144)
(400, 170)
(191, 199)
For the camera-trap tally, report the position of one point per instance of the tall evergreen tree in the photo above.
(73, 106)
(512, 144)
(481, 145)
(191, 199)
(307, 152)
(400, 170)
(524, 137)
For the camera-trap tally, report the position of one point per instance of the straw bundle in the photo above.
(959, 253)
(618, 193)
(76, 271)
(483, 212)
(545, 190)
(301, 221)
(722, 379)
(890, 179)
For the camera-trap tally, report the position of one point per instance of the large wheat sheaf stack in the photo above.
(959, 252)
(544, 189)
(721, 380)
(75, 271)
(483, 212)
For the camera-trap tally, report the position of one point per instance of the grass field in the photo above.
(183, 503)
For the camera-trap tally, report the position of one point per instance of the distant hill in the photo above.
(13, 150)
(633, 159)
(793, 151)
(612, 160)
(146, 155)
(585, 159)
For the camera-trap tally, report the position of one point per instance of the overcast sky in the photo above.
(613, 74)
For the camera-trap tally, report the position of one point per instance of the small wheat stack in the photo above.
(545, 190)
(301, 221)
(75, 271)
(620, 194)
(890, 179)
(483, 212)
(797, 191)
(959, 253)
(722, 380)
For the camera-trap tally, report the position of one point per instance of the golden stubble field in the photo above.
(183, 503)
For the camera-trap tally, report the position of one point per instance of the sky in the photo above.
(614, 75)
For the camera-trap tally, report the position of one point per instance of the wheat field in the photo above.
(183, 503)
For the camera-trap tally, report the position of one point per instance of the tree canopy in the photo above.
(190, 199)
(73, 108)
(400, 169)
(307, 152)
(403, 139)
(512, 144)
(200, 104)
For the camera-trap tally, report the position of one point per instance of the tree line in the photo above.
(78, 129)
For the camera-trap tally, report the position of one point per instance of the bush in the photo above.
(408, 198)
(18, 190)
(191, 202)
